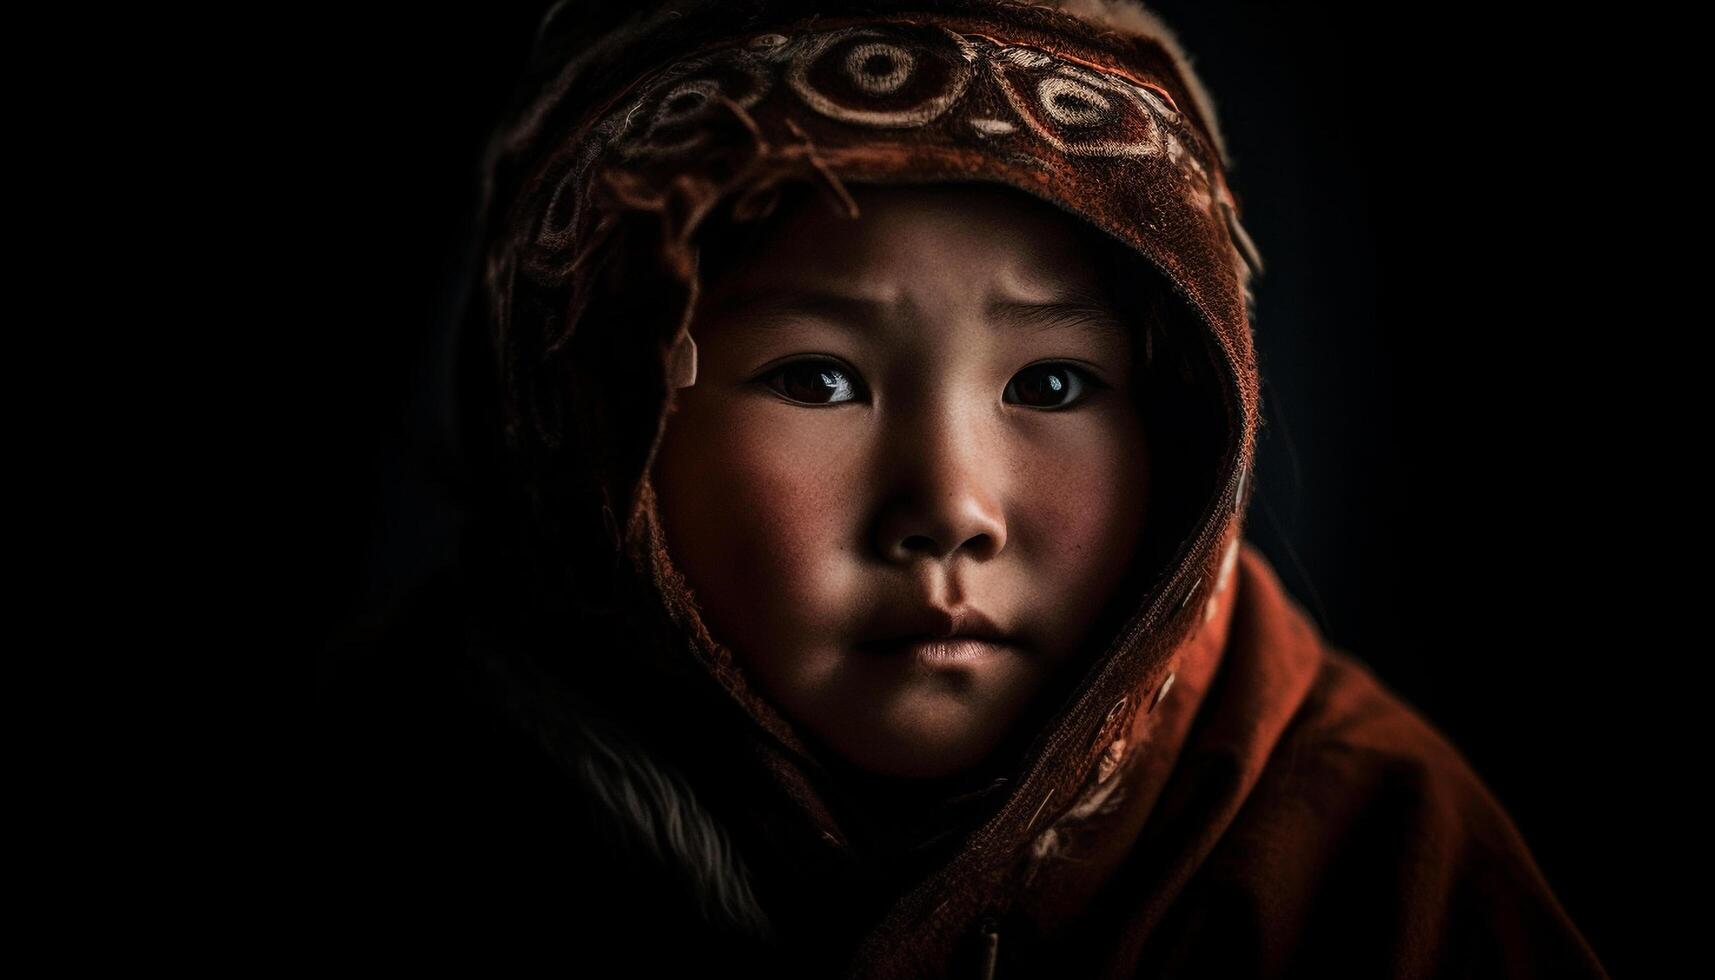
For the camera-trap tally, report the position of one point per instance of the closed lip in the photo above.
(928, 624)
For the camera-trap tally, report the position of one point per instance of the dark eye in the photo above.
(814, 382)
(1050, 386)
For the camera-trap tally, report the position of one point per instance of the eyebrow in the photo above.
(1077, 310)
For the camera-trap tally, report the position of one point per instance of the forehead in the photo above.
(947, 238)
(953, 256)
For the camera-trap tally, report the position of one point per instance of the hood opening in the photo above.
(1186, 414)
(603, 389)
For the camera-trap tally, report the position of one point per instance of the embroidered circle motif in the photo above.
(864, 75)
(1071, 102)
(560, 217)
(879, 69)
(683, 102)
(1081, 112)
(672, 117)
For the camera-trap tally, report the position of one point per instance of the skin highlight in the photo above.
(932, 405)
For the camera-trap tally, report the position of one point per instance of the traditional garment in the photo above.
(1218, 791)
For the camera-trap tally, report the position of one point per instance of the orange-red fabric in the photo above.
(1292, 817)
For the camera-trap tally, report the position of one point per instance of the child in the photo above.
(858, 587)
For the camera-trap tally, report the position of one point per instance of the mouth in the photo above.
(940, 651)
(935, 636)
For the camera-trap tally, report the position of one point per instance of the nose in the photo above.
(945, 494)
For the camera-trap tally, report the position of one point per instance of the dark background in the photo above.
(1450, 474)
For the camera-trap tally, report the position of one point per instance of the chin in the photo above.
(911, 746)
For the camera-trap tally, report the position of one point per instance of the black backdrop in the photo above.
(1450, 475)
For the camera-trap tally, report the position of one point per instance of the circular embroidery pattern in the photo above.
(674, 116)
(1078, 111)
(880, 78)
(893, 76)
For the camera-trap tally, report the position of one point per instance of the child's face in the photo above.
(872, 434)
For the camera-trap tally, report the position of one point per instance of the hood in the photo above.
(625, 141)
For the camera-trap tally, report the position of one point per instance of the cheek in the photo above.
(758, 508)
(1087, 500)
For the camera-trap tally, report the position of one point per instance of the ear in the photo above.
(682, 362)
